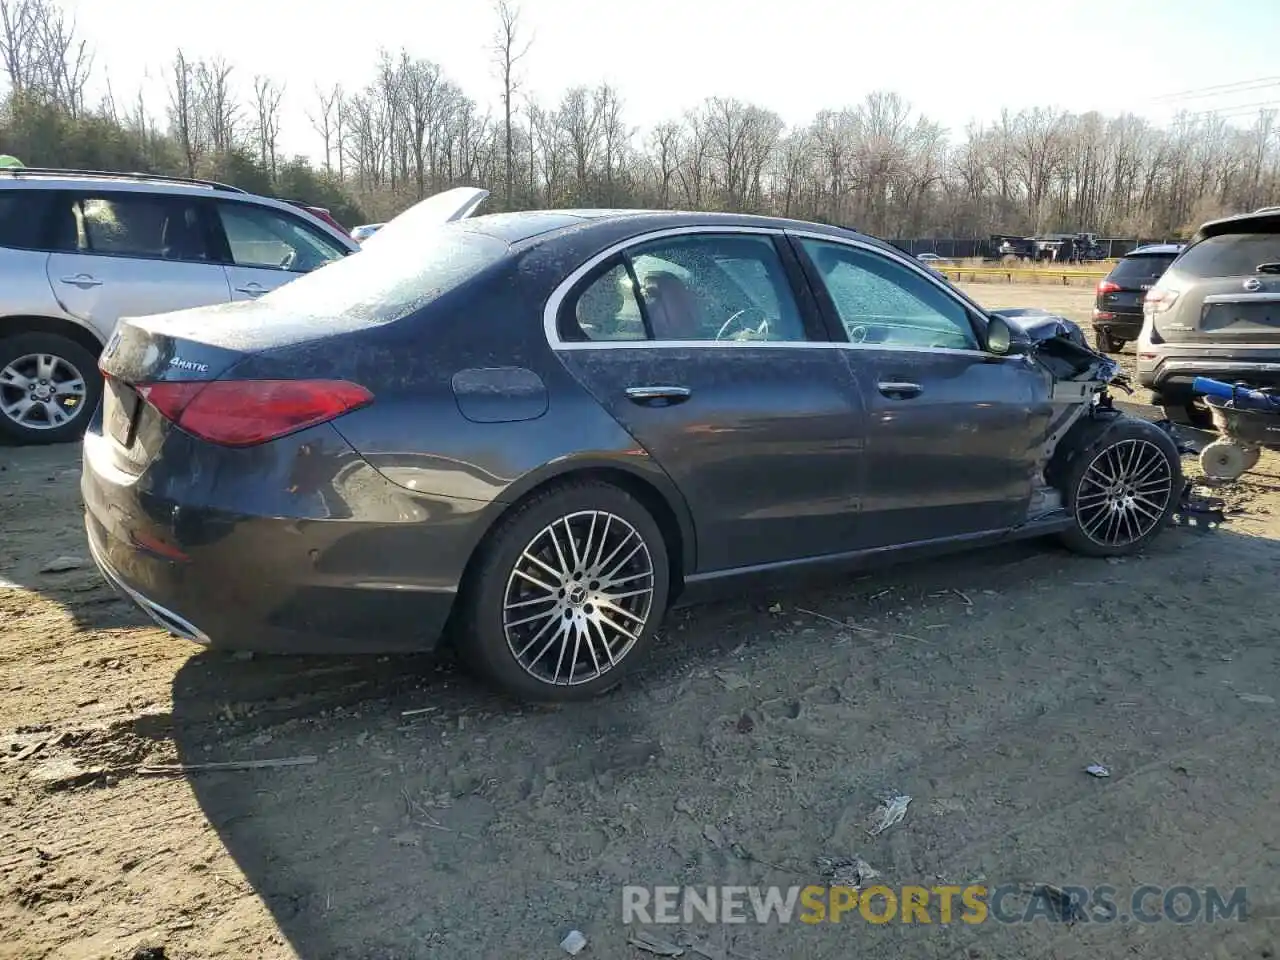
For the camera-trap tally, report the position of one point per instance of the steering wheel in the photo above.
(289, 260)
(760, 331)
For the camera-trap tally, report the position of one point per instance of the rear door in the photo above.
(706, 347)
(1223, 298)
(132, 254)
(951, 429)
(265, 248)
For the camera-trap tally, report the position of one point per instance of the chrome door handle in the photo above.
(83, 281)
(254, 289)
(658, 396)
(899, 389)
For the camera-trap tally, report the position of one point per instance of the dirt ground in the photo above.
(438, 821)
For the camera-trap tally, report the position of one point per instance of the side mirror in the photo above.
(1000, 338)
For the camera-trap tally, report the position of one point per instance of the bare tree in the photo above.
(266, 101)
(324, 121)
(185, 117)
(219, 109)
(508, 52)
(875, 163)
(66, 59)
(43, 57)
(664, 145)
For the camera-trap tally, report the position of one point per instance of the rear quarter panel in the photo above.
(471, 403)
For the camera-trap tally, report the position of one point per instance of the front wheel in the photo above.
(49, 388)
(1122, 487)
(567, 594)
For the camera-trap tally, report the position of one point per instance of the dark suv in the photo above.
(1117, 308)
(1215, 313)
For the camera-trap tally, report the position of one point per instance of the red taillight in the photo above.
(1158, 301)
(1106, 286)
(242, 413)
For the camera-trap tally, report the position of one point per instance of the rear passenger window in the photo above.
(608, 310)
(140, 225)
(24, 219)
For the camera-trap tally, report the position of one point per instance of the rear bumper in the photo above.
(382, 580)
(1170, 374)
(1122, 326)
(163, 616)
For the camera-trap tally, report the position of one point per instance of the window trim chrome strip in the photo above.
(551, 310)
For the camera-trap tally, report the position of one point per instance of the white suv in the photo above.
(79, 250)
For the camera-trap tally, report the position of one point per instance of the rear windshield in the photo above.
(391, 280)
(1144, 269)
(1230, 255)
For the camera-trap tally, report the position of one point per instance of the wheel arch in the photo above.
(78, 333)
(648, 484)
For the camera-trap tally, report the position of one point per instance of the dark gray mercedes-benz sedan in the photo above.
(530, 433)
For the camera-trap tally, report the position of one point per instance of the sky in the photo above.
(955, 62)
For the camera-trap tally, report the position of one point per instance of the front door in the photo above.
(700, 348)
(951, 430)
(267, 248)
(132, 254)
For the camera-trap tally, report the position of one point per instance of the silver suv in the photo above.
(1214, 313)
(79, 250)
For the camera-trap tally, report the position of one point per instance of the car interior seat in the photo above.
(182, 238)
(673, 310)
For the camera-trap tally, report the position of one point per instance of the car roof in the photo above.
(545, 224)
(1268, 218)
(1155, 250)
(35, 178)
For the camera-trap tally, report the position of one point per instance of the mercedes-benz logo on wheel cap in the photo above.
(1252, 284)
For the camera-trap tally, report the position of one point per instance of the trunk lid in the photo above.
(456, 204)
(143, 351)
(1132, 277)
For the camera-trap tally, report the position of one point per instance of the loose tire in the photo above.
(1104, 342)
(1224, 460)
(49, 388)
(567, 594)
(1122, 480)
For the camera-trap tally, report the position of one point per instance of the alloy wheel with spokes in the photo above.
(41, 391)
(567, 593)
(1124, 493)
(578, 598)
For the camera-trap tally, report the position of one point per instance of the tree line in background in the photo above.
(877, 165)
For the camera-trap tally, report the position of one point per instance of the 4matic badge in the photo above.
(189, 365)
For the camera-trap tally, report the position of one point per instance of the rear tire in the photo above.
(49, 388)
(533, 621)
(1104, 342)
(1122, 480)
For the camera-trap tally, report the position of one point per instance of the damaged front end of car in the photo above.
(1079, 386)
(1078, 383)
